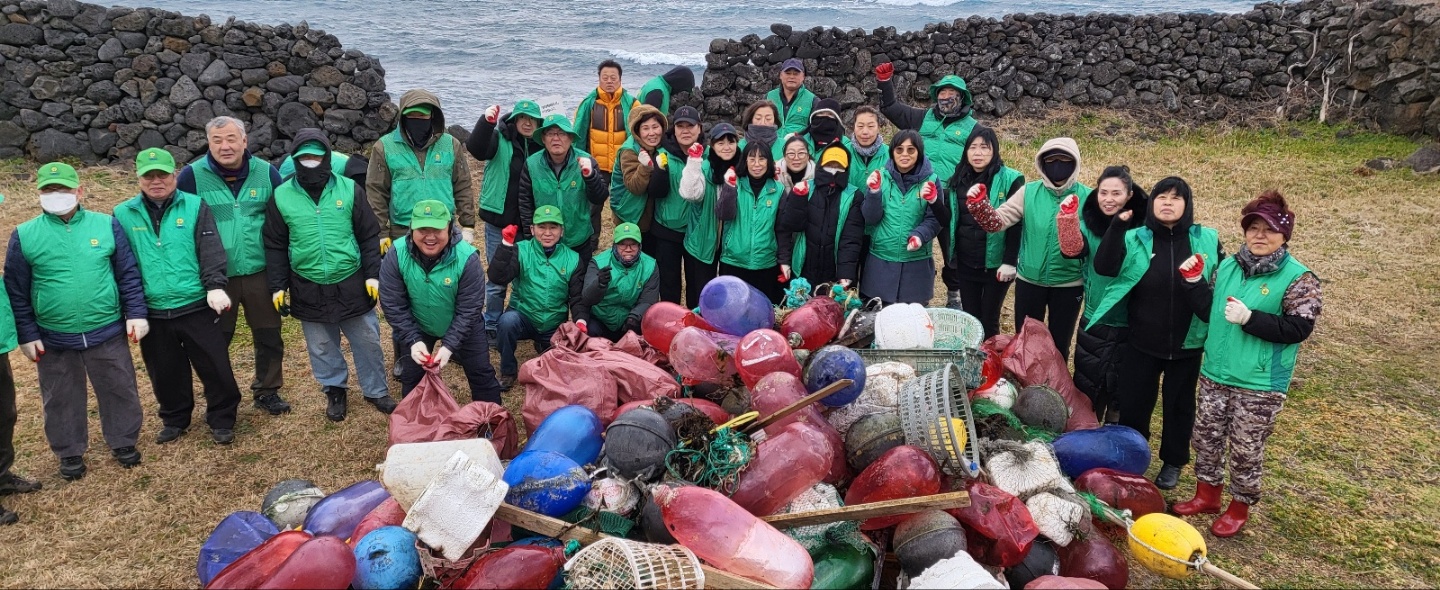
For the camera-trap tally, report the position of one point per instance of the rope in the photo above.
(715, 459)
(797, 293)
(983, 408)
(1123, 518)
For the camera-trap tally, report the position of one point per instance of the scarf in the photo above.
(1258, 265)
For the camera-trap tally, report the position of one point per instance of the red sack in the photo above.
(994, 367)
(1033, 359)
(998, 528)
(591, 372)
(430, 414)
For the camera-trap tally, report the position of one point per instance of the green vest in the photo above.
(702, 232)
(323, 248)
(1094, 285)
(168, 263)
(750, 239)
(432, 294)
(656, 83)
(999, 191)
(566, 191)
(410, 182)
(860, 169)
(495, 186)
(627, 206)
(238, 218)
(1139, 247)
(9, 340)
(903, 211)
(337, 165)
(624, 289)
(1238, 359)
(673, 212)
(797, 257)
(945, 144)
(797, 118)
(1040, 260)
(542, 290)
(72, 284)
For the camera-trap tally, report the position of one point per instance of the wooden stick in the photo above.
(554, 527)
(871, 510)
(1227, 577)
(800, 404)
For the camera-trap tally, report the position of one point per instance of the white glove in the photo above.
(644, 157)
(1005, 273)
(372, 288)
(468, 234)
(844, 283)
(492, 114)
(137, 329)
(33, 350)
(217, 300)
(441, 356)
(1236, 312)
(419, 353)
(584, 327)
(785, 271)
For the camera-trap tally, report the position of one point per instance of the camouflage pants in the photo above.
(1240, 419)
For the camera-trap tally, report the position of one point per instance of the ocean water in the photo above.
(474, 53)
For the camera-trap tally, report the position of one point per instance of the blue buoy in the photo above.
(235, 536)
(1118, 447)
(833, 363)
(573, 431)
(386, 558)
(546, 482)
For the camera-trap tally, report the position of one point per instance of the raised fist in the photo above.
(587, 167)
(884, 71)
(977, 193)
(645, 159)
(930, 192)
(730, 177)
(873, 183)
(492, 114)
(801, 189)
(1192, 268)
(696, 150)
(1070, 205)
(507, 235)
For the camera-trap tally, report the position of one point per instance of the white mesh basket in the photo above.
(613, 562)
(930, 405)
(955, 329)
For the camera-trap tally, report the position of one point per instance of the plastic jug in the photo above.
(388, 513)
(516, 566)
(387, 558)
(724, 535)
(734, 307)
(998, 528)
(409, 467)
(573, 431)
(761, 353)
(777, 390)
(1095, 558)
(235, 536)
(257, 565)
(1114, 446)
(339, 513)
(701, 356)
(322, 562)
(831, 364)
(785, 465)
(902, 472)
(546, 482)
(813, 324)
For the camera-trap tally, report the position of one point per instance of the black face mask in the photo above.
(417, 131)
(761, 133)
(1058, 172)
(825, 130)
(313, 180)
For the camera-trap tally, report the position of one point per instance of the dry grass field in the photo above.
(1352, 500)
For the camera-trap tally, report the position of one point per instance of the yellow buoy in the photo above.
(942, 433)
(1166, 545)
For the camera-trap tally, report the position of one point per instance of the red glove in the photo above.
(1070, 205)
(913, 244)
(779, 171)
(492, 114)
(507, 235)
(801, 189)
(730, 177)
(873, 183)
(978, 194)
(930, 192)
(587, 167)
(884, 71)
(1192, 268)
(696, 150)
(584, 329)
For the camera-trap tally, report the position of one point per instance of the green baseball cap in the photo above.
(527, 108)
(423, 109)
(430, 213)
(627, 231)
(310, 148)
(548, 214)
(57, 173)
(557, 120)
(154, 159)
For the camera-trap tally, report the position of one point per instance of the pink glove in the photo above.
(978, 193)
(584, 328)
(1070, 205)
(730, 177)
(587, 167)
(873, 183)
(801, 189)
(492, 114)
(913, 244)
(930, 192)
(507, 235)
(1192, 268)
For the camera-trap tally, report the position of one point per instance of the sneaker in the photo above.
(14, 484)
(271, 402)
(222, 436)
(168, 434)
(335, 408)
(1168, 477)
(506, 382)
(8, 516)
(127, 456)
(72, 468)
(384, 404)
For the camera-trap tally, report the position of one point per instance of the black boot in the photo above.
(335, 409)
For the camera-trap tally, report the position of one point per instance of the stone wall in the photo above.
(99, 84)
(1376, 62)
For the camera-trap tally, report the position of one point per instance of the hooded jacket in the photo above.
(658, 90)
(630, 185)
(1040, 261)
(821, 235)
(379, 181)
(396, 298)
(945, 136)
(485, 142)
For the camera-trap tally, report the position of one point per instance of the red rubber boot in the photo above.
(1206, 501)
(1232, 521)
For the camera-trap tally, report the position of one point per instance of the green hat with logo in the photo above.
(57, 173)
(310, 148)
(627, 231)
(548, 214)
(526, 107)
(559, 121)
(154, 159)
(423, 109)
(430, 213)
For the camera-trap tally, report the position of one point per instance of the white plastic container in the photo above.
(409, 467)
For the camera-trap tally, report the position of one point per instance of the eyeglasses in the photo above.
(797, 155)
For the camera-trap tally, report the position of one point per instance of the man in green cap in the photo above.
(236, 185)
(432, 290)
(10, 482)
(76, 293)
(567, 178)
(945, 126)
(182, 263)
(417, 161)
(504, 144)
(620, 286)
(322, 256)
(545, 278)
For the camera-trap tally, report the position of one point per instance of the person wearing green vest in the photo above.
(868, 151)
(759, 123)
(821, 229)
(669, 227)
(545, 279)
(433, 292)
(1097, 344)
(567, 178)
(182, 263)
(1264, 303)
(236, 186)
(418, 160)
(620, 286)
(794, 101)
(825, 128)
(1050, 287)
(10, 482)
(699, 184)
(356, 167)
(76, 294)
(658, 90)
(602, 117)
(635, 162)
(1150, 266)
(899, 207)
(504, 144)
(979, 266)
(322, 253)
(946, 125)
(796, 165)
(746, 208)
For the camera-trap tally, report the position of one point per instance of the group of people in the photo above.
(784, 192)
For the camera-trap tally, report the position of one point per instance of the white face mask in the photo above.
(310, 163)
(58, 203)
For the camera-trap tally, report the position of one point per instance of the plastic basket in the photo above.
(955, 329)
(969, 361)
(929, 404)
(613, 562)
